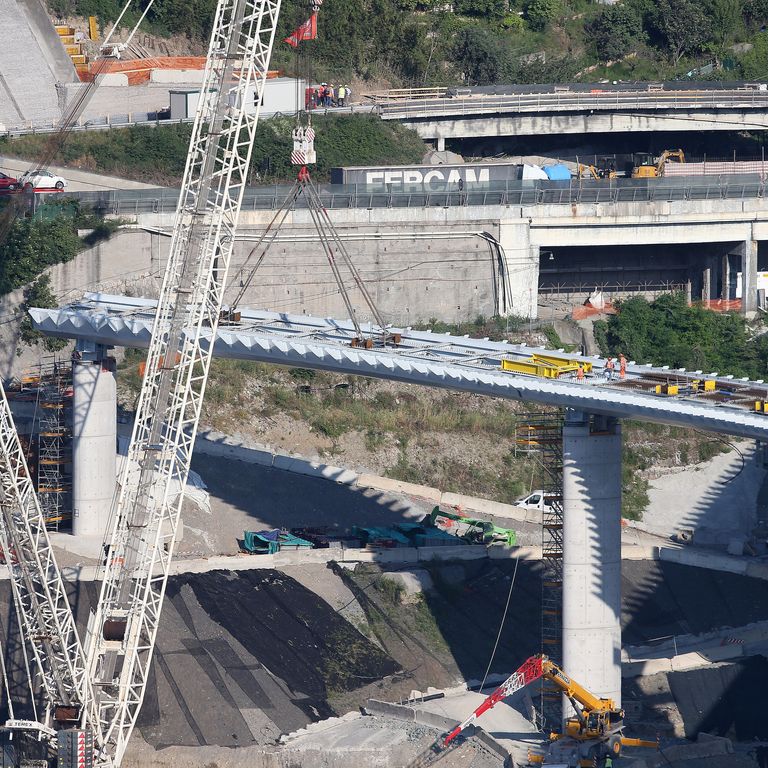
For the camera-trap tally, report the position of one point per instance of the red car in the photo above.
(8, 183)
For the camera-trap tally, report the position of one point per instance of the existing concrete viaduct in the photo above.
(578, 112)
(460, 261)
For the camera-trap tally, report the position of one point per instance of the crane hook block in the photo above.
(303, 145)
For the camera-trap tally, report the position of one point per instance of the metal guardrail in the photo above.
(512, 193)
(572, 101)
(156, 119)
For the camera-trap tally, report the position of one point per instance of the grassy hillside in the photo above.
(158, 154)
(426, 42)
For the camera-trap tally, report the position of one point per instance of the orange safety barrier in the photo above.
(587, 310)
(723, 305)
(139, 71)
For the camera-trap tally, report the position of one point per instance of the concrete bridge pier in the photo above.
(94, 438)
(521, 258)
(748, 253)
(592, 553)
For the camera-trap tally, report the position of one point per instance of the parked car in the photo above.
(8, 183)
(42, 179)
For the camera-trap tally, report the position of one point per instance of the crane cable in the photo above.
(501, 626)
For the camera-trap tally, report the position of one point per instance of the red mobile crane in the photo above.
(588, 737)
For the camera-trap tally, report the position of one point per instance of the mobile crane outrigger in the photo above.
(588, 737)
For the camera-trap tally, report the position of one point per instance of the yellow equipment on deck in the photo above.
(544, 366)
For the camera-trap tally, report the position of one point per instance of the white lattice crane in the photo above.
(146, 515)
(103, 690)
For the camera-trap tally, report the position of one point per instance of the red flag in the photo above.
(307, 31)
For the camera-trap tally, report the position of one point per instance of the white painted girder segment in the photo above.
(269, 337)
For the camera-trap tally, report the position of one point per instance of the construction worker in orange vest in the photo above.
(610, 367)
(580, 372)
(622, 366)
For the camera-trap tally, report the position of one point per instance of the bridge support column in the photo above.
(94, 439)
(725, 292)
(521, 260)
(748, 253)
(592, 553)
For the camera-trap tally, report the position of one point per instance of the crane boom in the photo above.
(540, 666)
(48, 624)
(146, 516)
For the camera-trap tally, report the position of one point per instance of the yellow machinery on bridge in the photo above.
(588, 738)
(545, 366)
(645, 167)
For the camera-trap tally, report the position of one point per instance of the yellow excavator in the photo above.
(645, 167)
(605, 170)
(590, 736)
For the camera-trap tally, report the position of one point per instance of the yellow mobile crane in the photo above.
(588, 737)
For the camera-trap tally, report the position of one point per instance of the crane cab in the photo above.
(596, 724)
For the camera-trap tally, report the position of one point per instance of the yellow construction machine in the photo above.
(545, 366)
(645, 167)
(605, 170)
(594, 733)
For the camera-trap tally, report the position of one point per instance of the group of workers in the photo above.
(328, 95)
(610, 368)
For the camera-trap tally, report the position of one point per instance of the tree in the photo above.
(683, 26)
(32, 245)
(493, 9)
(754, 63)
(480, 55)
(667, 331)
(541, 13)
(725, 18)
(755, 13)
(38, 294)
(616, 31)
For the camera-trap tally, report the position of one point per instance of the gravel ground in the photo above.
(251, 497)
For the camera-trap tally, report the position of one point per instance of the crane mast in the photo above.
(46, 618)
(146, 515)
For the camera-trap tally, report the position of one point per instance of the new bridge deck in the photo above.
(431, 359)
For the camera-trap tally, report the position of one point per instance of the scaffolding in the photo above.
(541, 435)
(52, 385)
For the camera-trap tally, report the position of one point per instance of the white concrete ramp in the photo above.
(28, 95)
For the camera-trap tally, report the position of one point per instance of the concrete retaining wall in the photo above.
(215, 443)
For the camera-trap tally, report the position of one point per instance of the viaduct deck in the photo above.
(437, 360)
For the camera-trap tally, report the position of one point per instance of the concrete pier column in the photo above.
(748, 253)
(94, 439)
(521, 258)
(592, 553)
(725, 292)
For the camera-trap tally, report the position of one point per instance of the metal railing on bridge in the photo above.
(562, 101)
(510, 193)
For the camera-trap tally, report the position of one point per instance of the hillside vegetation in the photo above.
(157, 155)
(667, 331)
(426, 42)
